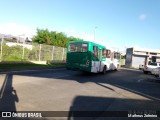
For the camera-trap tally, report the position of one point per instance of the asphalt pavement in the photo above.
(65, 90)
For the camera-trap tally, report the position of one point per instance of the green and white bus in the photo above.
(90, 57)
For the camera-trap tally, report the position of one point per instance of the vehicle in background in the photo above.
(112, 59)
(149, 68)
(116, 59)
(156, 72)
(90, 57)
(141, 67)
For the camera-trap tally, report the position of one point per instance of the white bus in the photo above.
(113, 59)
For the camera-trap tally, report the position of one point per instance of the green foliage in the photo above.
(15, 53)
(52, 38)
(43, 36)
(46, 52)
(123, 56)
(12, 53)
(34, 53)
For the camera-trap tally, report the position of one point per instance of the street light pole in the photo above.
(95, 33)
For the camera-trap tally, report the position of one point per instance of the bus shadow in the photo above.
(89, 107)
(122, 79)
(8, 95)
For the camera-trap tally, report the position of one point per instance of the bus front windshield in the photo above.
(78, 47)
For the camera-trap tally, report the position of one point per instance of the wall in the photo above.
(137, 60)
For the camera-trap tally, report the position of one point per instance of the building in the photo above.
(139, 56)
(20, 44)
(16, 39)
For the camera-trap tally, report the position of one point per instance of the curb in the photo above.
(28, 70)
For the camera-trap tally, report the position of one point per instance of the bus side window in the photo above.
(112, 55)
(104, 53)
(95, 51)
(115, 55)
(108, 53)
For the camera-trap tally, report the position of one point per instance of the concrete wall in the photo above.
(122, 62)
(137, 60)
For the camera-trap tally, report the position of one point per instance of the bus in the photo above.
(90, 57)
(117, 59)
(113, 59)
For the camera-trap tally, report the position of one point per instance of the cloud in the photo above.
(87, 36)
(142, 17)
(16, 29)
(70, 31)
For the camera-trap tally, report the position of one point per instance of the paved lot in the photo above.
(65, 90)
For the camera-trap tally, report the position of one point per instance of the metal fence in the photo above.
(10, 51)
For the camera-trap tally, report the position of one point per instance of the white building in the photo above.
(140, 56)
(20, 44)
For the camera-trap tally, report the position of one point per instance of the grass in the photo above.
(28, 66)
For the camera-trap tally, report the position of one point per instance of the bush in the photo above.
(14, 53)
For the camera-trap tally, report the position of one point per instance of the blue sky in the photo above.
(120, 23)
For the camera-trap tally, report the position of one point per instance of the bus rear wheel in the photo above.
(104, 70)
(117, 68)
(156, 76)
(145, 72)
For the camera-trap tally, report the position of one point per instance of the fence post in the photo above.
(40, 52)
(1, 46)
(52, 52)
(23, 52)
(63, 54)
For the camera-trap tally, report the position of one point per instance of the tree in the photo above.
(43, 36)
(52, 38)
(123, 56)
(60, 39)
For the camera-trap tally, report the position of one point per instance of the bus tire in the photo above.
(104, 70)
(145, 72)
(156, 76)
(117, 67)
(68, 68)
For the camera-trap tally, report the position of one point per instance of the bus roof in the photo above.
(84, 41)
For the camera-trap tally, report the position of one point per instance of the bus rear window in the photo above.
(78, 47)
